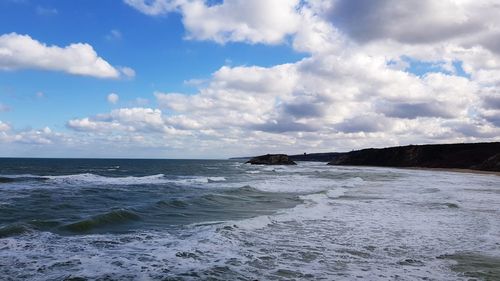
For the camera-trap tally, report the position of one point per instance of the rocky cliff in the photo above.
(315, 157)
(478, 156)
(271, 159)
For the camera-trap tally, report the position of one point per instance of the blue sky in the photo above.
(210, 79)
(153, 47)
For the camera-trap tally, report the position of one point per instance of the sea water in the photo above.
(68, 219)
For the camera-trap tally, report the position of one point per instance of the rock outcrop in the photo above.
(271, 159)
(315, 157)
(479, 156)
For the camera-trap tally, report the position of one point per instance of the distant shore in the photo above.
(459, 157)
(455, 170)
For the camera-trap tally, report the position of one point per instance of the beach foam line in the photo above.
(133, 180)
(106, 180)
(98, 179)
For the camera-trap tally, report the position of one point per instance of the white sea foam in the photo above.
(216, 179)
(97, 179)
(88, 178)
(352, 225)
(292, 183)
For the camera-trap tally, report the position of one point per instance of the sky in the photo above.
(216, 79)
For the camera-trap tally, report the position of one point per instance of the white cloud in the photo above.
(328, 25)
(113, 98)
(128, 120)
(140, 117)
(256, 21)
(354, 89)
(4, 127)
(44, 136)
(127, 72)
(23, 52)
(325, 102)
(154, 7)
(85, 124)
(114, 34)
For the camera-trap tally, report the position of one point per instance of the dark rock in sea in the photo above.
(479, 156)
(271, 159)
(311, 157)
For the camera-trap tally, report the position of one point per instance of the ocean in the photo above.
(83, 219)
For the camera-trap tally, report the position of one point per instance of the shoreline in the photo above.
(456, 170)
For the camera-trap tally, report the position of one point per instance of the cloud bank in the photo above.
(357, 87)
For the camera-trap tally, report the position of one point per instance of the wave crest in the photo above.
(89, 178)
(108, 219)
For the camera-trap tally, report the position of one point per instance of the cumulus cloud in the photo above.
(127, 72)
(22, 52)
(256, 21)
(411, 21)
(321, 102)
(354, 89)
(113, 98)
(320, 24)
(137, 119)
(154, 7)
(4, 127)
(44, 136)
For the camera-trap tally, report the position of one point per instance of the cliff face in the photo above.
(315, 157)
(271, 159)
(479, 156)
(491, 164)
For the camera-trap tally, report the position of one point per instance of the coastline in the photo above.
(456, 170)
(458, 157)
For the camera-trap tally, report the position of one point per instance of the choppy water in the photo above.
(225, 220)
